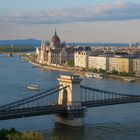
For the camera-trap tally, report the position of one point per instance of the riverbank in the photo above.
(76, 71)
(122, 78)
(56, 68)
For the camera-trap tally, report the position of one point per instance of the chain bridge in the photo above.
(68, 98)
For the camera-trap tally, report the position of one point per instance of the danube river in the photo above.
(102, 123)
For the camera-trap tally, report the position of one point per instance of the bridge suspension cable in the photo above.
(42, 103)
(50, 99)
(89, 93)
(29, 99)
(92, 97)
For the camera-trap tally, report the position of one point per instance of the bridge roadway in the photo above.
(115, 101)
(33, 111)
(55, 109)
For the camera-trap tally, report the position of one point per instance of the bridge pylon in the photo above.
(71, 95)
(71, 98)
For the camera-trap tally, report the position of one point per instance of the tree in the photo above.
(70, 63)
(124, 73)
(101, 71)
(95, 70)
(115, 72)
(13, 134)
(130, 74)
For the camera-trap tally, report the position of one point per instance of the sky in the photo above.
(74, 20)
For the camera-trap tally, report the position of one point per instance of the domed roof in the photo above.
(55, 39)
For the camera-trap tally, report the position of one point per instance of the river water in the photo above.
(101, 123)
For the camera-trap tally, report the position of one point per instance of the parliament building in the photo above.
(54, 52)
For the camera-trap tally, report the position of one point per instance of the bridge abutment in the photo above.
(71, 98)
(69, 121)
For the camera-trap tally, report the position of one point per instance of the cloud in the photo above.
(111, 11)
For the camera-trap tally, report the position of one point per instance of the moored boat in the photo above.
(128, 79)
(89, 74)
(94, 75)
(97, 75)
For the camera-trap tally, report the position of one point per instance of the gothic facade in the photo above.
(54, 52)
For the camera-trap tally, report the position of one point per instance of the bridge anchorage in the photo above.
(68, 101)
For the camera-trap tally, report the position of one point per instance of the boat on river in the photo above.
(129, 79)
(97, 75)
(33, 87)
(94, 75)
(89, 74)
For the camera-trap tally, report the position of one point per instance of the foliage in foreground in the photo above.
(13, 134)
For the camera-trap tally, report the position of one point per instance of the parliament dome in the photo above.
(55, 40)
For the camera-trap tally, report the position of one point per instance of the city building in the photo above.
(136, 66)
(98, 62)
(113, 63)
(125, 64)
(106, 58)
(54, 52)
(81, 59)
(42, 53)
(81, 56)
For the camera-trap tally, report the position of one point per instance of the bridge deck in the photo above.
(29, 112)
(97, 103)
(46, 103)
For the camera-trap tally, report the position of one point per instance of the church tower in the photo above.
(42, 56)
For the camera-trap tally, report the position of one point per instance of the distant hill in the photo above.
(33, 42)
(36, 42)
(98, 44)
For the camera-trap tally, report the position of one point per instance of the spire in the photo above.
(41, 43)
(44, 44)
(55, 32)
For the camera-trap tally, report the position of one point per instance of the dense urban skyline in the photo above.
(75, 21)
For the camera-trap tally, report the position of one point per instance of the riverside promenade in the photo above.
(73, 70)
(122, 78)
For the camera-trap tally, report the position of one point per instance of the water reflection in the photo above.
(94, 132)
